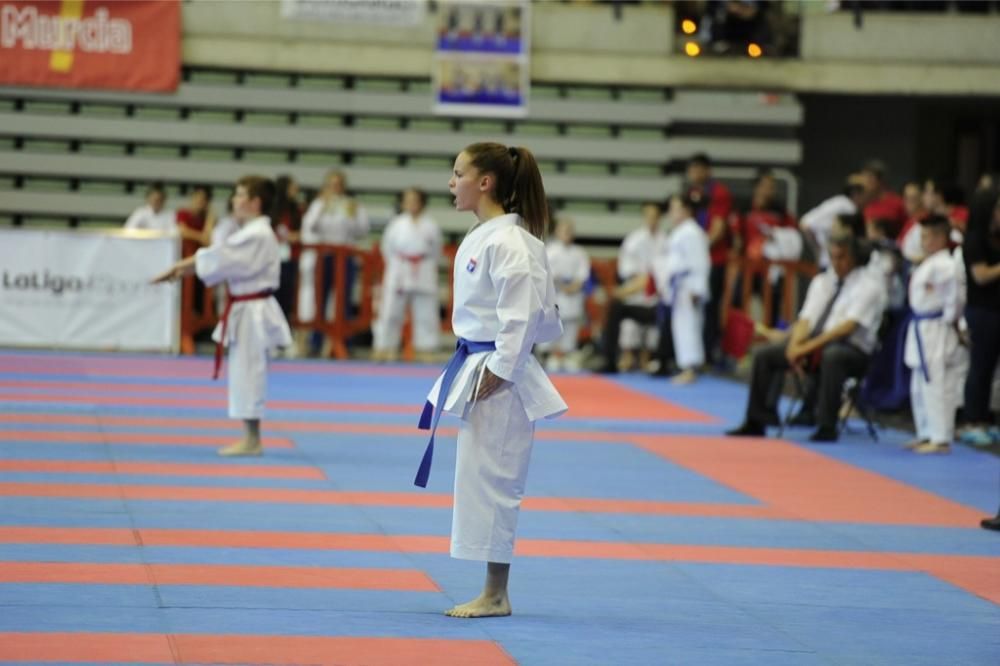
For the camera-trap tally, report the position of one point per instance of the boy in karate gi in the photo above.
(504, 302)
(570, 267)
(932, 348)
(682, 280)
(411, 250)
(252, 325)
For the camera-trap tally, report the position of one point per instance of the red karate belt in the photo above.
(230, 299)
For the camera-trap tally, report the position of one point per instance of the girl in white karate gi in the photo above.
(570, 268)
(504, 302)
(249, 262)
(932, 349)
(411, 250)
(682, 281)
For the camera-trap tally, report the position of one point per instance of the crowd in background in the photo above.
(676, 281)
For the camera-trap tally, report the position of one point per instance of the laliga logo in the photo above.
(64, 33)
(101, 284)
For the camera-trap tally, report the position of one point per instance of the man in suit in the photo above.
(832, 339)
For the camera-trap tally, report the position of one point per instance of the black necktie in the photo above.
(818, 328)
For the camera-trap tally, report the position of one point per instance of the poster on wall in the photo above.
(87, 290)
(481, 60)
(111, 44)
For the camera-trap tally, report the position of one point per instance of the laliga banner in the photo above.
(117, 44)
(87, 290)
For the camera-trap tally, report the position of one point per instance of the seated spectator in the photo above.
(635, 264)
(881, 202)
(817, 224)
(153, 216)
(832, 339)
(652, 313)
(569, 266)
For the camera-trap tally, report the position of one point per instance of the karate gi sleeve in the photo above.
(236, 259)
(520, 302)
(310, 222)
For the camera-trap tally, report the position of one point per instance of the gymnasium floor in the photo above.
(647, 538)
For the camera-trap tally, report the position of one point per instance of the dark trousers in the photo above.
(711, 333)
(984, 352)
(287, 286)
(838, 361)
(619, 311)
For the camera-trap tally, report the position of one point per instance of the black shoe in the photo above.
(747, 429)
(804, 419)
(824, 434)
(991, 523)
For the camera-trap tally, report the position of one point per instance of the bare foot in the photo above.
(241, 448)
(483, 606)
(930, 448)
(685, 377)
(914, 443)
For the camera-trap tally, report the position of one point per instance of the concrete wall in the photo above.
(925, 54)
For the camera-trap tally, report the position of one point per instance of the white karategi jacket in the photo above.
(686, 250)
(568, 264)
(935, 285)
(326, 222)
(143, 217)
(249, 262)
(637, 254)
(411, 251)
(503, 292)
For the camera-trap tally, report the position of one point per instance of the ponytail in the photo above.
(519, 187)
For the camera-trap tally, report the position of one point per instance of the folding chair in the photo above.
(850, 401)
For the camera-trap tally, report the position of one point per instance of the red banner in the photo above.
(118, 44)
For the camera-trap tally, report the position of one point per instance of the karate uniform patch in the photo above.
(471, 266)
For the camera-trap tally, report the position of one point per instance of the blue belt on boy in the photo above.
(917, 318)
(431, 415)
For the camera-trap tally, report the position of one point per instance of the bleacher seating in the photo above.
(85, 156)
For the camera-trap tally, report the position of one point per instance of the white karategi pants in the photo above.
(494, 449)
(686, 323)
(934, 403)
(426, 320)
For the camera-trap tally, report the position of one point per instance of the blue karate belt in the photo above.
(430, 416)
(917, 318)
(675, 281)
